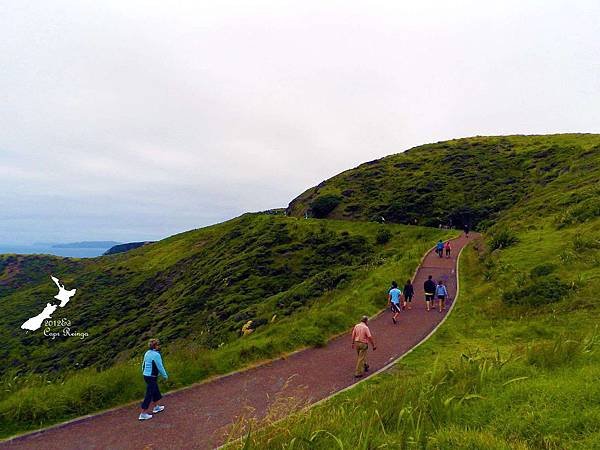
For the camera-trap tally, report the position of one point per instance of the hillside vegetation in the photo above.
(204, 284)
(517, 363)
(298, 281)
(455, 182)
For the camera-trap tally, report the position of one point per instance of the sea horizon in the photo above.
(50, 249)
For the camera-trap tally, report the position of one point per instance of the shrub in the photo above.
(322, 206)
(542, 290)
(542, 270)
(314, 337)
(502, 239)
(383, 236)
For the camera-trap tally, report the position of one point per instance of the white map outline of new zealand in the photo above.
(63, 295)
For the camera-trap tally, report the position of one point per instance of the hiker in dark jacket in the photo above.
(429, 288)
(409, 291)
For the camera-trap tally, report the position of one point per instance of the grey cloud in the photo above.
(142, 119)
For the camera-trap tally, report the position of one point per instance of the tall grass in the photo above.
(560, 351)
(396, 412)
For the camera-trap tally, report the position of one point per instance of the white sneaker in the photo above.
(145, 416)
(157, 409)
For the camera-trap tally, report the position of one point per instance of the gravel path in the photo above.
(198, 417)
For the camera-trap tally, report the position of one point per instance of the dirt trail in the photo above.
(196, 418)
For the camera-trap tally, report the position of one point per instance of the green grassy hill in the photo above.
(298, 281)
(201, 285)
(460, 181)
(515, 366)
(496, 375)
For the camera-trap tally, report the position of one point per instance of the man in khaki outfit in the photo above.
(361, 336)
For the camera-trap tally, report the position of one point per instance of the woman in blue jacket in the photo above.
(441, 292)
(151, 367)
(439, 248)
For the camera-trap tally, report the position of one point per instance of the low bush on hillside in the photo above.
(502, 239)
(542, 270)
(471, 181)
(311, 289)
(383, 236)
(538, 291)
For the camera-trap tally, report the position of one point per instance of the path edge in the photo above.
(388, 365)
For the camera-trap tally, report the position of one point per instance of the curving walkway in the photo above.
(197, 417)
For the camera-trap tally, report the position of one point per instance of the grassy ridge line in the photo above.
(470, 180)
(36, 406)
(495, 376)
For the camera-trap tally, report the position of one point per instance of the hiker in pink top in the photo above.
(448, 249)
(361, 336)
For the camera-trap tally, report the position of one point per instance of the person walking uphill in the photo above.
(448, 249)
(409, 291)
(361, 336)
(441, 292)
(394, 300)
(439, 248)
(151, 367)
(429, 288)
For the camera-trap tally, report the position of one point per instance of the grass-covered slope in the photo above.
(203, 284)
(299, 281)
(494, 376)
(468, 180)
(517, 363)
(20, 271)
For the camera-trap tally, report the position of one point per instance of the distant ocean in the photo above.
(49, 250)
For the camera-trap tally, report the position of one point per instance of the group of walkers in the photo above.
(442, 247)
(361, 334)
(399, 300)
(395, 298)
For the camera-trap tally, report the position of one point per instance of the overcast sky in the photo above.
(134, 120)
